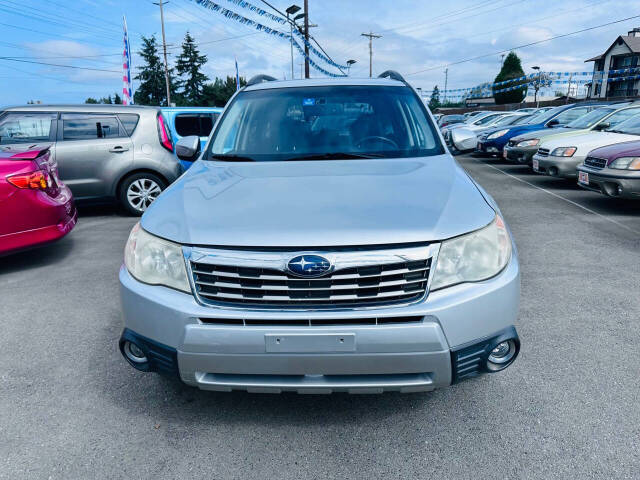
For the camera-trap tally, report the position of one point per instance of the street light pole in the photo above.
(536, 85)
(446, 79)
(349, 64)
(290, 11)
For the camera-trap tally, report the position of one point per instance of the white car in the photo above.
(466, 138)
(560, 156)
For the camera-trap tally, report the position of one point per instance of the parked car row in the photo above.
(53, 154)
(600, 147)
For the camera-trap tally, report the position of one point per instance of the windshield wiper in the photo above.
(335, 156)
(233, 158)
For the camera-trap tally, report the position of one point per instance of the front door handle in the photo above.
(118, 149)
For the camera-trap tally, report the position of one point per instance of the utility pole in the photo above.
(306, 38)
(370, 36)
(446, 79)
(164, 48)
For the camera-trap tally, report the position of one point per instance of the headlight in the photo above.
(529, 143)
(154, 260)
(473, 257)
(563, 152)
(626, 163)
(497, 134)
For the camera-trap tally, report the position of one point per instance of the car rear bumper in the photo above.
(563, 167)
(414, 356)
(59, 216)
(621, 184)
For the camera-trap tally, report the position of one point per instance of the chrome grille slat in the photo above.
(307, 300)
(595, 162)
(333, 277)
(285, 288)
(360, 278)
(543, 152)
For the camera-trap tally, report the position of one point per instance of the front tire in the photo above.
(139, 190)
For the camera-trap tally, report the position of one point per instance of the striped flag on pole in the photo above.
(127, 89)
(237, 76)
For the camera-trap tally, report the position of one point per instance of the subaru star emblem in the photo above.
(309, 265)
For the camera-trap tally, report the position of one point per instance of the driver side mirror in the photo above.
(603, 126)
(188, 148)
(553, 123)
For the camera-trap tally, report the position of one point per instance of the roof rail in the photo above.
(260, 79)
(393, 75)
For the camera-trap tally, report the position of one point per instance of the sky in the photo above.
(83, 38)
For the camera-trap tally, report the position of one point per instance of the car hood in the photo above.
(547, 132)
(611, 152)
(319, 203)
(585, 142)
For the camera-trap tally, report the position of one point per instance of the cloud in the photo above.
(61, 48)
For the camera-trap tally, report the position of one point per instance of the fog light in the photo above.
(134, 353)
(502, 355)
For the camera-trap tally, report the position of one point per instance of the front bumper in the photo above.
(521, 155)
(563, 167)
(618, 183)
(489, 147)
(405, 357)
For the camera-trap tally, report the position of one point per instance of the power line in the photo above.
(9, 59)
(525, 45)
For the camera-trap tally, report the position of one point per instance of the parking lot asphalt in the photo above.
(70, 407)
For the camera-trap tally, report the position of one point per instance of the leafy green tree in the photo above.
(189, 69)
(511, 68)
(117, 99)
(434, 101)
(152, 89)
(220, 91)
(91, 101)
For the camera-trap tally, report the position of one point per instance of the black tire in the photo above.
(138, 191)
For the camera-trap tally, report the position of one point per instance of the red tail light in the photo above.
(34, 180)
(163, 133)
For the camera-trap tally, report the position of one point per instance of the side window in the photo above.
(129, 122)
(194, 124)
(89, 127)
(622, 115)
(571, 114)
(26, 127)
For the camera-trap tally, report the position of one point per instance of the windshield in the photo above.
(543, 117)
(520, 120)
(488, 119)
(630, 126)
(312, 123)
(508, 120)
(589, 119)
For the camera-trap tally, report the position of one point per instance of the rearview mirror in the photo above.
(188, 148)
(603, 126)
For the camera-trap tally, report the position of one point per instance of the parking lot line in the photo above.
(608, 219)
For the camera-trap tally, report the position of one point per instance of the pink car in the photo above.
(37, 208)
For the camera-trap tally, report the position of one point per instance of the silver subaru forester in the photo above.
(324, 241)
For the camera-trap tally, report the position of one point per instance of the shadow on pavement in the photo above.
(46, 255)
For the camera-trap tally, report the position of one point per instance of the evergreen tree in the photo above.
(117, 99)
(188, 66)
(91, 100)
(152, 89)
(434, 101)
(511, 68)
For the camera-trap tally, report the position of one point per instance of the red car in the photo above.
(36, 206)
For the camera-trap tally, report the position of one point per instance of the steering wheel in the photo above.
(377, 138)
